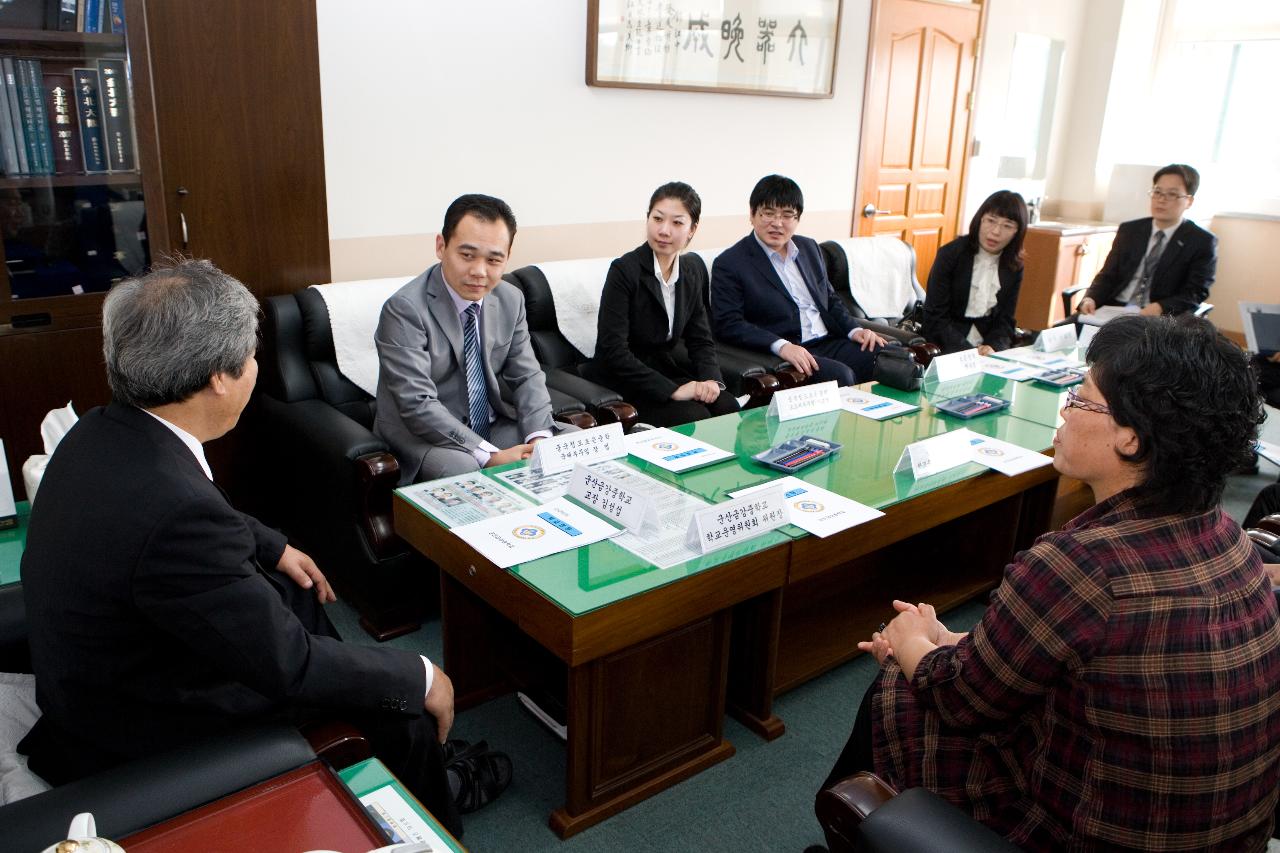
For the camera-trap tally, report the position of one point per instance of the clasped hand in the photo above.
(915, 629)
(705, 391)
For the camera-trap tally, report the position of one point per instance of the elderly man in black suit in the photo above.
(1162, 264)
(160, 614)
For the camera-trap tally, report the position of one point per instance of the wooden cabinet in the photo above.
(1060, 256)
(230, 157)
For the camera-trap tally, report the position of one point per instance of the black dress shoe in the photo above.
(483, 775)
(455, 748)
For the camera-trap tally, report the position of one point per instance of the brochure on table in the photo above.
(463, 499)
(530, 534)
(1035, 358)
(1009, 369)
(1268, 451)
(1006, 457)
(672, 451)
(395, 817)
(813, 509)
(868, 405)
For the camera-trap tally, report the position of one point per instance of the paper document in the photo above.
(464, 499)
(539, 488)
(1005, 457)
(1105, 314)
(1027, 355)
(675, 452)
(530, 534)
(1009, 369)
(816, 510)
(873, 406)
(399, 821)
(1268, 451)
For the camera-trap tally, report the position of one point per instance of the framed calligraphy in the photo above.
(749, 47)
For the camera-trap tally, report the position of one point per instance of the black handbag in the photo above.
(897, 368)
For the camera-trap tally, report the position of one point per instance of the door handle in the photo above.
(183, 192)
(870, 211)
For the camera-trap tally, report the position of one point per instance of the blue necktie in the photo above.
(477, 395)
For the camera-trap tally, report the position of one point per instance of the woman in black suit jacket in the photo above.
(653, 340)
(973, 284)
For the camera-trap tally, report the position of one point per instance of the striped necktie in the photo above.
(1143, 294)
(477, 395)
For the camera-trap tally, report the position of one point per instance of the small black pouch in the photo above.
(897, 368)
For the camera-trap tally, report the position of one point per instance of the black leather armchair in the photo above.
(838, 271)
(863, 813)
(326, 479)
(561, 360)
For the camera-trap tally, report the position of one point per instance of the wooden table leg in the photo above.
(642, 719)
(753, 664)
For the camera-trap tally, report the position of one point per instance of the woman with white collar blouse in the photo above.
(974, 282)
(653, 339)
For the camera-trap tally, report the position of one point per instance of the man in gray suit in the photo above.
(458, 386)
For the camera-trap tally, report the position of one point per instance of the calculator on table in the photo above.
(972, 405)
(796, 453)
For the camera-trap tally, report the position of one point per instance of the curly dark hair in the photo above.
(1191, 397)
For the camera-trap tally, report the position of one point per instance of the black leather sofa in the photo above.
(326, 480)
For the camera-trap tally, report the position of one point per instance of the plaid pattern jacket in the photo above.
(1121, 691)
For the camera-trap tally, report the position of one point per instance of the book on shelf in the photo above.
(62, 15)
(8, 142)
(92, 143)
(35, 79)
(60, 104)
(92, 16)
(34, 129)
(116, 13)
(117, 115)
(14, 97)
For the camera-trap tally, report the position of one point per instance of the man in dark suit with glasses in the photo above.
(1163, 264)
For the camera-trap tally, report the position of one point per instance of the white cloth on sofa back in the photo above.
(882, 275)
(576, 286)
(354, 309)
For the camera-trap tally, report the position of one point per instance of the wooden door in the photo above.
(237, 125)
(915, 124)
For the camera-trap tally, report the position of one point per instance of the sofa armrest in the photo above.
(338, 743)
(141, 793)
(591, 394)
(330, 451)
(620, 412)
(865, 813)
(892, 333)
(1067, 308)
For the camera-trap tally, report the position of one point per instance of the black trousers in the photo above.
(842, 360)
(1266, 503)
(857, 753)
(406, 745)
(676, 412)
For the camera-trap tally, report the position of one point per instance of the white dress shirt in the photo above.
(668, 291)
(788, 269)
(485, 450)
(197, 449)
(984, 287)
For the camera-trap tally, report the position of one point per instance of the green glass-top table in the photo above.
(601, 624)
(12, 543)
(633, 658)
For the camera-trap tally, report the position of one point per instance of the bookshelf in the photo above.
(226, 121)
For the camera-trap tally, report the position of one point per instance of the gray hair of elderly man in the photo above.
(166, 333)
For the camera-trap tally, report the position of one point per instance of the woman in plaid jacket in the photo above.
(1123, 688)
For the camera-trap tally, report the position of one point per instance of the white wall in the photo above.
(1060, 20)
(424, 100)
